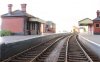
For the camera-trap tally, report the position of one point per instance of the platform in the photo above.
(91, 37)
(15, 38)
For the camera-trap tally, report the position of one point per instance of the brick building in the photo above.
(96, 23)
(21, 23)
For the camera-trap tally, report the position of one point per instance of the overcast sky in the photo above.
(65, 13)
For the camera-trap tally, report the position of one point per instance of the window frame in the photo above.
(98, 25)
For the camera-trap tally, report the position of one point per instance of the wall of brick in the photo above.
(14, 24)
(96, 29)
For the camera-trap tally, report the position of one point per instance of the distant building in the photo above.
(75, 29)
(85, 25)
(50, 27)
(21, 23)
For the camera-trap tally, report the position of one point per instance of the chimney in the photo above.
(23, 7)
(9, 8)
(98, 13)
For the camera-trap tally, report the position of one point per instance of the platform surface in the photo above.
(10, 39)
(91, 37)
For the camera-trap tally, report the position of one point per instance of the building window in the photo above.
(97, 25)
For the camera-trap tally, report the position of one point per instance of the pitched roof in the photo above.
(96, 19)
(85, 21)
(17, 13)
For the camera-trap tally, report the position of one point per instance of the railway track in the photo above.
(46, 54)
(75, 53)
(30, 54)
(43, 55)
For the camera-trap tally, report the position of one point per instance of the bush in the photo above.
(5, 33)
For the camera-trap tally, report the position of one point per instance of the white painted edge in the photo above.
(90, 41)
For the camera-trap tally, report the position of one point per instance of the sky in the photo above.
(65, 13)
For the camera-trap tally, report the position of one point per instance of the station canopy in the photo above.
(85, 22)
(35, 19)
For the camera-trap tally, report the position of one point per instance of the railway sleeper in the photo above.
(60, 60)
(77, 56)
(78, 61)
(20, 58)
(40, 60)
(27, 56)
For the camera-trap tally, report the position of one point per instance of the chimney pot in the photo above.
(23, 7)
(98, 13)
(10, 8)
